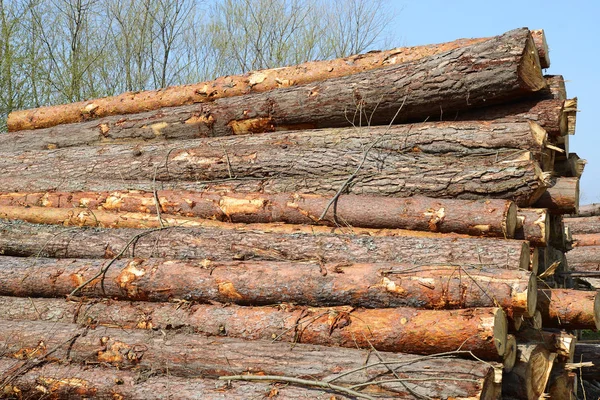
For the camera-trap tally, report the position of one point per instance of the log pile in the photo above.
(384, 226)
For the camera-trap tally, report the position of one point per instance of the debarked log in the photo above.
(276, 169)
(482, 331)
(263, 283)
(290, 243)
(75, 382)
(490, 217)
(508, 63)
(569, 308)
(192, 355)
(587, 224)
(532, 225)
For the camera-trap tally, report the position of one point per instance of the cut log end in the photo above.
(539, 38)
(510, 355)
(525, 259)
(500, 331)
(530, 70)
(539, 134)
(511, 220)
(540, 366)
(597, 311)
(532, 298)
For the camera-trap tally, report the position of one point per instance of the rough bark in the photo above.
(193, 356)
(583, 224)
(533, 226)
(584, 255)
(589, 352)
(569, 309)
(279, 169)
(562, 197)
(491, 217)
(263, 283)
(528, 378)
(586, 239)
(22, 239)
(73, 382)
(555, 87)
(589, 210)
(481, 331)
(509, 63)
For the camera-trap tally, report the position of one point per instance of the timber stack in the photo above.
(388, 225)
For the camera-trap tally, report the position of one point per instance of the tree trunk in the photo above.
(192, 356)
(528, 378)
(482, 331)
(586, 239)
(73, 382)
(280, 169)
(583, 255)
(555, 87)
(452, 73)
(532, 225)
(21, 239)
(562, 197)
(491, 217)
(589, 210)
(589, 352)
(584, 224)
(569, 309)
(539, 38)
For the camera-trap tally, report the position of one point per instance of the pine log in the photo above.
(562, 383)
(309, 171)
(510, 60)
(583, 224)
(528, 378)
(535, 259)
(569, 309)
(555, 87)
(510, 354)
(532, 225)
(261, 283)
(490, 217)
(584, 255)
(562, 197)
(192, 356)
(569, 166)
(482, 331)
(589, 210)
(73, 382)
(559, 342)
(558, 237)
(586, 239)
(22, 239)
(539, 38)
(588, 352)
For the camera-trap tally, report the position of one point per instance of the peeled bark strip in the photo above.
(583, 224)
(24, 240)
(529, 377)
(569, 309)
(509, 63)
(427, 332)
(491, 217)
(562, 197)
(263, 283)
(73, 382)
(190, 356)
(586, 239)
(589, 352)
(532, 225)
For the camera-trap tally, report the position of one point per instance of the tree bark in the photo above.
(583, 224)
(589, 352)
(562, 197)
(491, 217)
(539, 38)
(21, 239)
(529, 377)
(588, 210)
(481, 331)
(533, 226)
(569, 309)
(583, 255)
(509, 63)
(555, 87)
(73, 382)
(276, 169)
(586, 239)
(192, 356)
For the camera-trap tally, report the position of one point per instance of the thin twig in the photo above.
(297, 381)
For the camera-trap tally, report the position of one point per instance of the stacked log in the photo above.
(388, 225)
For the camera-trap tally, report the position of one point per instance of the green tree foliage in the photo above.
(59, 51)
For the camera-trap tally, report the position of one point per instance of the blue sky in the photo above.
(572, 31)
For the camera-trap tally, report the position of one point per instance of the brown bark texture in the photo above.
(490, 217)
(569, 309)
(193, 356)
(278, 168)
(532, 225)
(22, 239)
(263, 283)
(589, 352)
(509, 61)
(583, 255)
(586, 239)
(583, 224)
(74, 382)
(555, 87)
(539, 38)
(562, 197)
(529, 377)
(589, 210)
